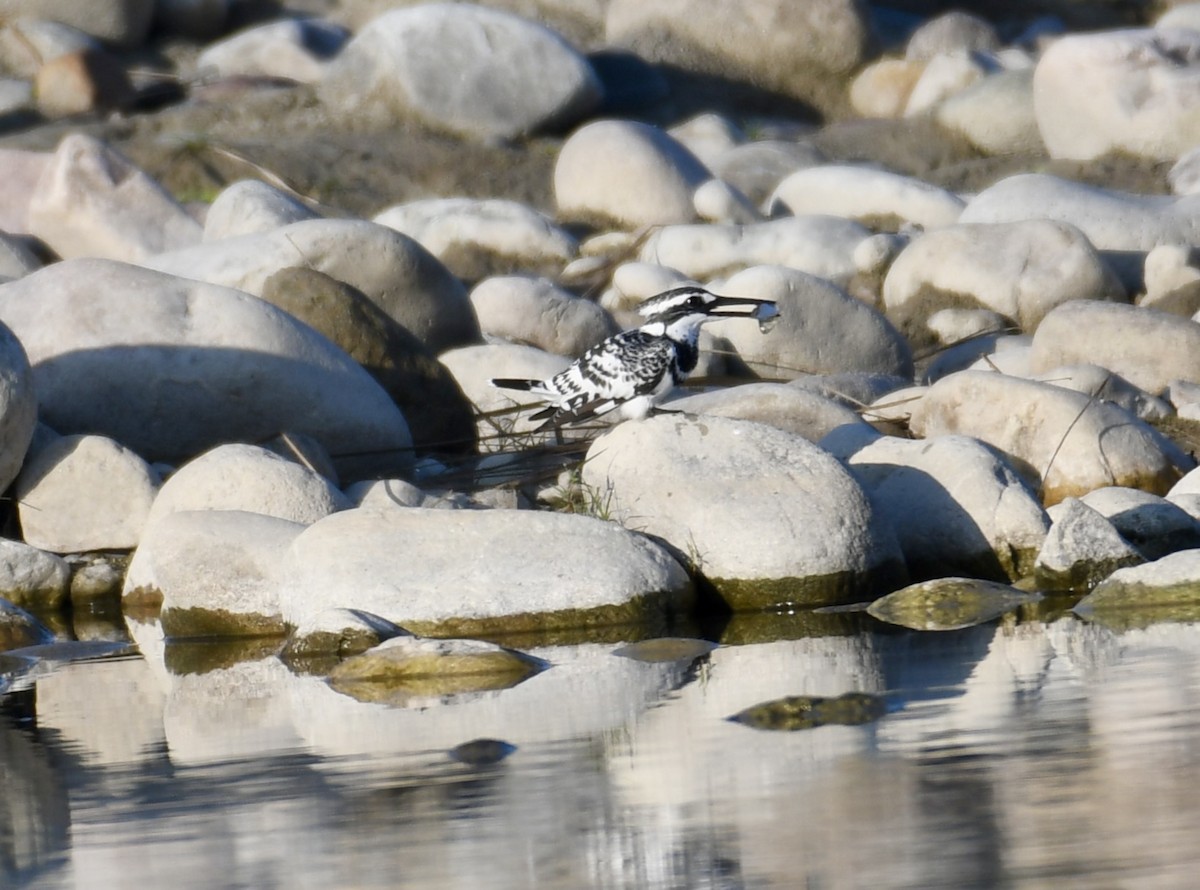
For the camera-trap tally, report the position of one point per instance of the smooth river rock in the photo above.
(957, 506)
(1148, 347)
(877, 198)
(161, 364)
(476, 238)
(411, 566)
(820, 330)
(84, 492)
(250, 206)
(18, 404)
(1122, 225)
(1153, 525)
(1072, 443)
(626, 172)
(767, 517)
(526, 309)
(1133, 91)
(214, 571)
(819, 245)
(1081, 550)
(772, 43)
(92, 201)
(798, 411)
(1173, 580)
(248, 478)
(1020, 270)
(394, 271)
(31, 578)
(438, 414)
(472, 70)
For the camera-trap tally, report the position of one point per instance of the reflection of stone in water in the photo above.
(666, 649)
(481, 752)
(402, 670)
(426, 691)
(35, 811)
(810, 711)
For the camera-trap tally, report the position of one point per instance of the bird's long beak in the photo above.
(765, 312)
(728, 306)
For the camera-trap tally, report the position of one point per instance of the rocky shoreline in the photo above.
(270, 386)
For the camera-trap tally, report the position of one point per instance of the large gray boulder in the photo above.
(1069, 441)
(772, 43)
(472, 70)
(214, 572)
(819, 245)
(767, 517)
(957, 506)
(821, 328)
(625, 172)
(476, 238)
(18, 405)
(83, 492)
(248, 478)
(169, 366)
(870, 196)
(394, 271)
(463, 572)
(1148, 347)
(1132, 91)
(1020, 270)
(92, 201)
(437, 413)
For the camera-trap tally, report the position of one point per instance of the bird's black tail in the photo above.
(514, 383)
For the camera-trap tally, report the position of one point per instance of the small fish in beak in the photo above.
(767, 314)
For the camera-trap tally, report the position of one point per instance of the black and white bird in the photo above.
(633, 370)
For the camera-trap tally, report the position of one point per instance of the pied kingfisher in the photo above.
(633, 370)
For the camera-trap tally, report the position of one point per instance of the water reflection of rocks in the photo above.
(1010, 753)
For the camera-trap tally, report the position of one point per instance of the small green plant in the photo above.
(588, 500)
(694, 557)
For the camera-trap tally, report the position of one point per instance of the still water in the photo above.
(1040, 753)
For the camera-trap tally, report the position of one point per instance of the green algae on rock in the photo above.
(810, 711)
(948, 604)
(18, 628)
(1173, 581)
(187, 623)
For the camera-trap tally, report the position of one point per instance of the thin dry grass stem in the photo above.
(943, 347)
(151, 74)
(297, 452)
(1092, 398)
(866, 409)
(25, 42)
(269, 175)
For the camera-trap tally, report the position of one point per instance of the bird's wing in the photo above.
(623, 367)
